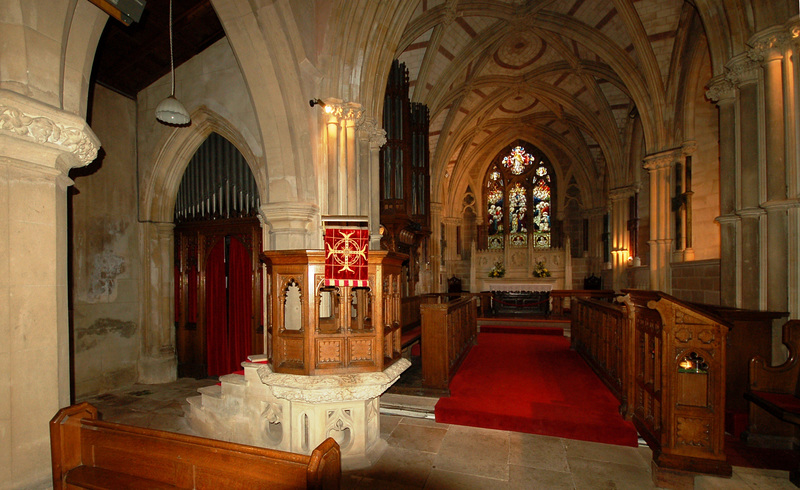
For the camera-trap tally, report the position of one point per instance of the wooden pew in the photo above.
(90, 453)
(774, 393)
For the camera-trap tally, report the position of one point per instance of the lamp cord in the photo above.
(171, 60)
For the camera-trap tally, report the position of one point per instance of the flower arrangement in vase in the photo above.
(498, 270)
(540, 270)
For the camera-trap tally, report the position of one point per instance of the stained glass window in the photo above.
(541, 209)
(518, 199)
(517, 209)
(518, 161)
(494, 209)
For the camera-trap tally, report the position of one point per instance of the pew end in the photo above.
(774, 396)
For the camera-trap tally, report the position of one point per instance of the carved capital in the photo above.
(594, 212)
(769, 45)
(376, 135)
(286, 216)
(743, 69)
(619, 193)
(721, 88)
(662, 159)
(343, 109)
(28, 121)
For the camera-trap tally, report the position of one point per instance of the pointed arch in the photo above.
(159, 192)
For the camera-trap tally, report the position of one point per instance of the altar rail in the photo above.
(449, 330)
(561, 299)
(665, 361)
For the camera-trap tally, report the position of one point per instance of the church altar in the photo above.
(520, 264)
(538, 285)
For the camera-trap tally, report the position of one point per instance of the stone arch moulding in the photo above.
(174, 154)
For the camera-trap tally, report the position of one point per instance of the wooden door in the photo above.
(218, 301)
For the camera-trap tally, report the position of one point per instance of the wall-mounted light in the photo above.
(325, 107)
(170, 110)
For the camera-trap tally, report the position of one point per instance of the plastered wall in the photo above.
(105, 263)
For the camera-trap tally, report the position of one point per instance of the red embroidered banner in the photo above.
(346, 250)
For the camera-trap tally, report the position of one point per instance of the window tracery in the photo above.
(518, 196)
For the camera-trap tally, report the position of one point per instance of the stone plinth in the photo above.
(296, 413)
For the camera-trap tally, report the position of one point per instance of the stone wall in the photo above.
(105, 253)
(705, 177)
(697, 281)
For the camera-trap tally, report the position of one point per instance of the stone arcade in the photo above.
(670, 129)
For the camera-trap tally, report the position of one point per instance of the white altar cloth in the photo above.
(535, 287)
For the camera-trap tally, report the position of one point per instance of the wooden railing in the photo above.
(596, 333)
(562, 299)
(666, 362)
(448, 332)
(411, 305)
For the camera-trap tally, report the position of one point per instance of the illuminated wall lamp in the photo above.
(325, 107)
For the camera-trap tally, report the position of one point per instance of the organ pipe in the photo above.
(217, 184)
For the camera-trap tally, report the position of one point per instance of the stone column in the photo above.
(38, 146)
(158, 361)
(660, 167)
(290, 225)
(792, 105)
(688, 148)
(770, 50)
(619, 211)
(744, 72)
(722, 91)
(595, 239)
(437, 268)
(342, 159)
(371, 175)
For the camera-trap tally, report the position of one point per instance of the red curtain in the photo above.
(240, 305)
(216, 312)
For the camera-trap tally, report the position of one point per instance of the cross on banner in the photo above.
(346, 250)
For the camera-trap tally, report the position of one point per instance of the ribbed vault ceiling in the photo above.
(569, 73)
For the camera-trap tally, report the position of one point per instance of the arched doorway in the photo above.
(217, 275)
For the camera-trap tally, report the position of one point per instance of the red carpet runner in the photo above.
(533, 384)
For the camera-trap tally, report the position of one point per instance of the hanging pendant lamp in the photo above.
(170, 110)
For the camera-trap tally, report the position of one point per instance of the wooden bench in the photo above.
(775, 390)
(90, 453)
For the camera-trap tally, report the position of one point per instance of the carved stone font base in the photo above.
(296, 413)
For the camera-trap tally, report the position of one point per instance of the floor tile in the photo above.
(590, 474)
(479, 452)
(527, 477)
(536, 451)
(777, 480)
(447, 480)
(389, 424)
(417, 437)
(401, 466)
(703, 482)
(424, 422)
(595, 451)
